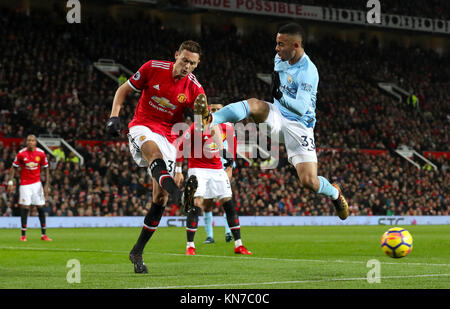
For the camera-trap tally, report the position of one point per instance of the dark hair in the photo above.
(191, 46)
(293, 29)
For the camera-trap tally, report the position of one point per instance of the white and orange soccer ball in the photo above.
(396, 242)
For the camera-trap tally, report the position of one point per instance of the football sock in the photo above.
(23, 218)
(151, 222)
(208, 217)
(192, 223)
(227, 228)
(41, 213)
(232, 219)
(233, 112)
(327, 189)
(159, 172)
(238, 243)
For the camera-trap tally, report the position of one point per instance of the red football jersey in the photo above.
(30, 163)
(206, 156)
(163, 100)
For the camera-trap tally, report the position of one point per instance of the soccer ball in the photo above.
(397, 242)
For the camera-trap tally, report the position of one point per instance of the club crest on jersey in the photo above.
(163, 102)
(137, 75)
(37, 159)
(290, 80)
(142, 138)
(181, 98)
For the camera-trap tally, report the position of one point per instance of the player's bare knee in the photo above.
(258, 109)
(151, 152)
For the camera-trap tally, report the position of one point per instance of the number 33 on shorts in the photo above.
(310, 145)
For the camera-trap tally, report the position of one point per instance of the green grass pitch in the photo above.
(284, 258)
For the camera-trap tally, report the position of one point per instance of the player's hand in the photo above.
(178, 179)
(113, 127)
(275, 86)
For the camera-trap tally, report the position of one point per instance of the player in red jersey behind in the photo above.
(168, 90)
(31, 193)
(213, 181)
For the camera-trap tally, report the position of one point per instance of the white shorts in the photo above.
(212, 183)
(138, 135)
(32, 194)
(298, 139)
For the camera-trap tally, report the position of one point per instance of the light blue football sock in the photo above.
(233, 112)
(208, 217)
(227, 228)
(327, 189)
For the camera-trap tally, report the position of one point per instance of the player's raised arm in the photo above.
(113, 124)
(119, 98)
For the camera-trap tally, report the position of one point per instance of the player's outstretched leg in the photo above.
(41, 213)
(191, 228)
(307, 174)
(233, 223)
(334, 192)
(340, 204)
(23, 220)
(159, 172)
(151, 222)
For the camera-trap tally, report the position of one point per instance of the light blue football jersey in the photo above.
(299, 86)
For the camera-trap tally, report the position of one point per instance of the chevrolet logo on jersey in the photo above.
(212, 147)
(31, 165)
(163, 102)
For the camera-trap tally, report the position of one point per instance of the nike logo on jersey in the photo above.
(156, 87)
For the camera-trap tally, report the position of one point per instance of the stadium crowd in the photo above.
(53, 88)
(110, 184)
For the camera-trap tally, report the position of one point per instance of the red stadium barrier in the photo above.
(436, 154)
(8, 142)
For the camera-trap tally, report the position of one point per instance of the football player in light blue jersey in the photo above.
(208, 204)
(292, 115)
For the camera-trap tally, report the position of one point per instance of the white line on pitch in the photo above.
(292, 282)
(307, 260)
(240, 258)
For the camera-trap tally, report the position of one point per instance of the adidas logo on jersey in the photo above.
(156, 87)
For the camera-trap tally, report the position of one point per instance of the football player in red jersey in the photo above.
(213, 181)
(168, 90)
(31, 193)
